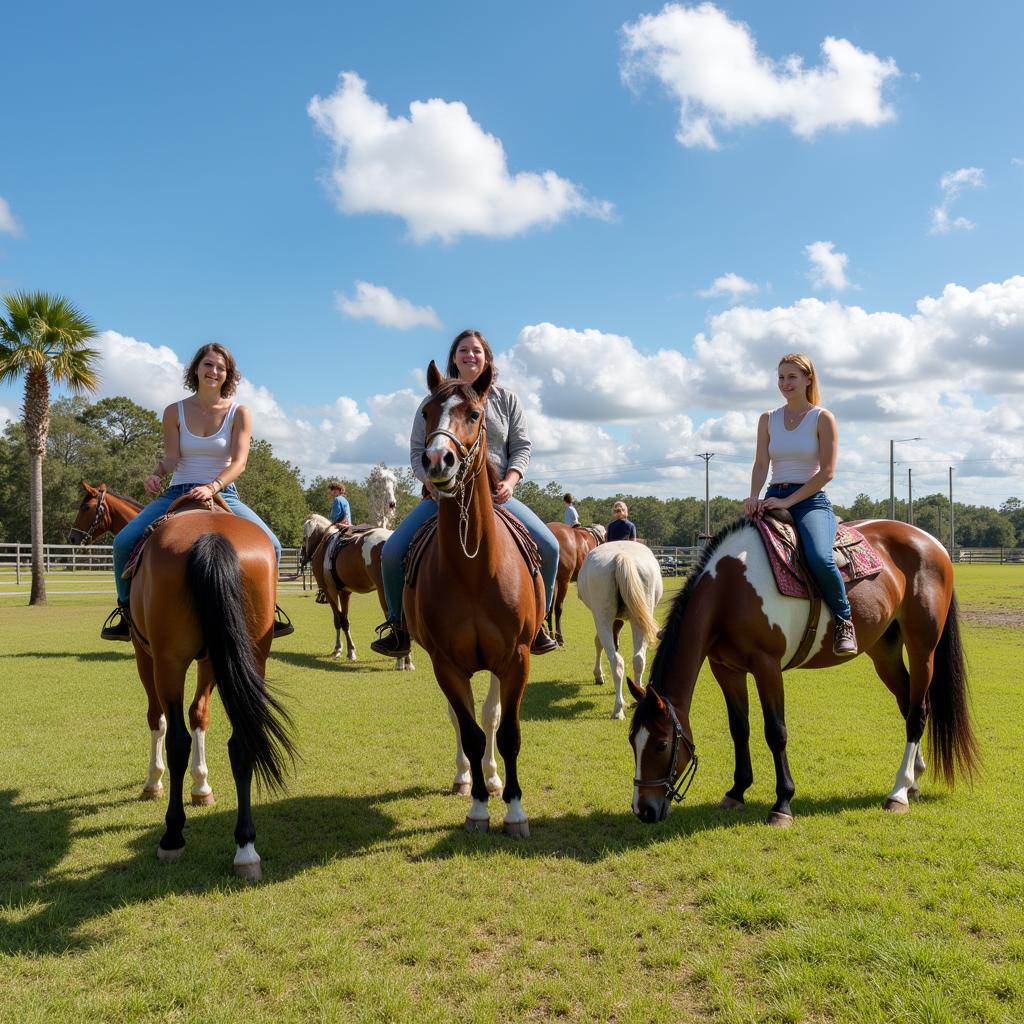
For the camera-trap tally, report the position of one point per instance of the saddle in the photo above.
(177, 507)
(526, 545)
(336, 538)
(855, 559)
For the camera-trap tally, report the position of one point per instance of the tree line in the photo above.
(116, 441)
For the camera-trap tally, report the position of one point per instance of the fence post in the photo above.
(17, 563)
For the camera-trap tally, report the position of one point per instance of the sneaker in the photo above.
(392, 640)
(844, 644)
(116, 627)
(543, 642)
(282, 624)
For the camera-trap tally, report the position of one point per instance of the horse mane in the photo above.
(670, 631)
(120, 497)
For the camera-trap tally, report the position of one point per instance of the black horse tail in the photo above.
(953, 745)
(260, 725)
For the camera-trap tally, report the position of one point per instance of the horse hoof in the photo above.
(169, 855)
(336, 654)
(249, 872)
(728, 803)
(618, 715)
(779, 820)
(495, 790)
(462, 788)
(895, 806)
(351, 657)
(152, 794)
(598, 682)
(203, 799)
(914, 794)
(516, 829)
(478, 824)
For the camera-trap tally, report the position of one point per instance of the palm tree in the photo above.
(43, 338)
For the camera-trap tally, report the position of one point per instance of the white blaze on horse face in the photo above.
(441, 443)
(639, 742)
(788, 613)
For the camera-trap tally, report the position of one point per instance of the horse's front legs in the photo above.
(199, 722)
(734, 688)
(513, 683)
(342, 625)
(470, 739)
(768, 676)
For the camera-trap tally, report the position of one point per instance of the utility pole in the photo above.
(952, 515)
(910, 495)
(892, 477)
(707, 457)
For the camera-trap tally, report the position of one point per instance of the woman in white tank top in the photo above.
(206, 444)
(800, 443)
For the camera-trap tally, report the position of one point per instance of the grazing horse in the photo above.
(621, 580)
(574, 544)
(354, 569)
(475, 605)
(205, 591)
(101, 511)
(731, 613)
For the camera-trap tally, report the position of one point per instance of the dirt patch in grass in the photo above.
(994, 616)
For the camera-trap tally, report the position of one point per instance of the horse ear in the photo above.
(87, 488)
(483, 383)
(434, 377)
(637, 691)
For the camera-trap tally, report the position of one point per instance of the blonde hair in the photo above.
(804, 363)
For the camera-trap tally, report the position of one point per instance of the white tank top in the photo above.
(202, 458)
(794, 453)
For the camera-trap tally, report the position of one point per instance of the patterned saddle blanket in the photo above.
(178, 506)
(425, 534)
(855, 558)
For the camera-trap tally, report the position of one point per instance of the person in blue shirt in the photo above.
(570, 517)
(341, 511)
(621, 528)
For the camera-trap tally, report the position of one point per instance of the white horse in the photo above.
(621, 580)
(380, 492)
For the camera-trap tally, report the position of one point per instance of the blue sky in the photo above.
(169, 171)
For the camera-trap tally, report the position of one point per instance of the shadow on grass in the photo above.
(554, 699)
(125, 654)
(590, 838)
(325, 661)
(294, 834)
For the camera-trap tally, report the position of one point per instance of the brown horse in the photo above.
(101, 511)
(574, 544)
(355, 569)
(731, 613)
(204, 591)
(475, 605)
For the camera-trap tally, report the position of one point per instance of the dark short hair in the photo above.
(567, 498)
(227, 389)
(336, 485)
(453, 370)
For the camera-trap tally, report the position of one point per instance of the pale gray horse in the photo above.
(380, 492)
(621, 581)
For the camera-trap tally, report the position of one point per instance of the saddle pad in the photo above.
(425, 534)
(855, 557)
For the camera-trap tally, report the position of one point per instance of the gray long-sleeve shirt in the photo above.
(508, 443)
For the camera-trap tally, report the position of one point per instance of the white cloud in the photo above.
(828, 267)
(712, 67)
(148, 374)
(732, 285)
(6, 416)
(951, 185)
(437, 169)
(8, 224)
(374, 302)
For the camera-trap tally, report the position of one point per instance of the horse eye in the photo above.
(661, 746)
(424, 414)
(474, 416)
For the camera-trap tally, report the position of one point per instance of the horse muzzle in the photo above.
(651, 811)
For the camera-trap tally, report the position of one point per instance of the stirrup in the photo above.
(282, 624)
(543, 642)
(117, 625)
(396, 644)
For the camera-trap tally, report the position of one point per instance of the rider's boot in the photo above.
(393, 640)
(282, 624)
(117, 625)
(543, 642)
(844, 645)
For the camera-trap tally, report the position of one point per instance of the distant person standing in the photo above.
(621, 527)
(571, 517)
(341, 511)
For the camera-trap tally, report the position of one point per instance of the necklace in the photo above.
(791, 421)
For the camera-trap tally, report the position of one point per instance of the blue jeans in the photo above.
(816, 524)
(392, 555)
(125, 541)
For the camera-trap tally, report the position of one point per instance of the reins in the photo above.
(676, 784)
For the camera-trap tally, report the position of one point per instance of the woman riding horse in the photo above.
(206, 444)
(508, 447)
(800, 442)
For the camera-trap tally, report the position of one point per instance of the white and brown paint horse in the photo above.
(621, 581)
(731, 613)
(574, 544)
(102, 511)
(354, 569)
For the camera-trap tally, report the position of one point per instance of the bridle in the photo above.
(459, 485)
(88, 536)
(676, 784)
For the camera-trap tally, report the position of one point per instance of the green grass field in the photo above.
(377, 906)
